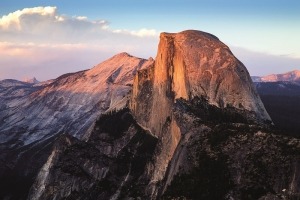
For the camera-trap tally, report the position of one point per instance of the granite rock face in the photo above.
(222, 155)
(112, 164)
(194, 63)
(188, 65)
(34, 115)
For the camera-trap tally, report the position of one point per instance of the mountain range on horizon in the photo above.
(280, 94)
(291, 76)
(188, 124)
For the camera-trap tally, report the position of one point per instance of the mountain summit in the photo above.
(31, 80)
(190, 66)
(34, 116)
(193, 64)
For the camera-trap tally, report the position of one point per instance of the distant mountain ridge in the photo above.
(292, 76)
(286, 84)
(280, 94)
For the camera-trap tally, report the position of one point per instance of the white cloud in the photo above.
(41, 40)
(13, 21)
(82, 18)
(42, 24)
(140, 33)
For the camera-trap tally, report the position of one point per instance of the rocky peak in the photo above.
(31, 80)
(119, 69)
(204, 66)
(33, 116)
(189, 65)
(193, 64)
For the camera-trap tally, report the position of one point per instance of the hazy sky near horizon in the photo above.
(48, 38)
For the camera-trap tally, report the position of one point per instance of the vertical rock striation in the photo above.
(194, 63)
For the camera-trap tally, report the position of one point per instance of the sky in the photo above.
(47, 38)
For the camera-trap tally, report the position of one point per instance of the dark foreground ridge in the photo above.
(281, 100)
(214, 160)
(111, 164)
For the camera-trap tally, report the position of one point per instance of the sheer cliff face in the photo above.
(194, 63)
(188, 65)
